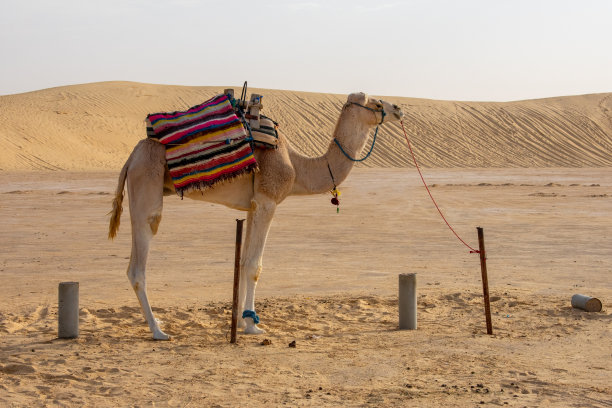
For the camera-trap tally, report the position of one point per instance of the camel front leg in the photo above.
(258, 224)
(242, 285)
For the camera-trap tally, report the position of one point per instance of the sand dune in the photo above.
(95, 126)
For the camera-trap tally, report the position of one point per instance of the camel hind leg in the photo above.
(145, 189)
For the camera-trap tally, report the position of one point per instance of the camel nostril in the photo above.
(395, 107)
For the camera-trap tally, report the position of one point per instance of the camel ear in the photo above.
(358, 97)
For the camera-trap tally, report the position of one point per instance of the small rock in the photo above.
(292, 344)
(266, 342)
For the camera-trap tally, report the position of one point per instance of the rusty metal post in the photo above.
(485, 280)
(236, 279)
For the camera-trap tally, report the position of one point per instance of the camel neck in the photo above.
(312, 175)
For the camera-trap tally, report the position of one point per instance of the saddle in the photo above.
(262, 129)
(214, 141)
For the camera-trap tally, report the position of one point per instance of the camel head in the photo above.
(374, 111)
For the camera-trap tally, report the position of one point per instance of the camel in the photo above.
(282, 172)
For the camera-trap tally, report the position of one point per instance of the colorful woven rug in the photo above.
(205, 144)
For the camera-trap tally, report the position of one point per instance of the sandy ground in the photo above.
(329, 284)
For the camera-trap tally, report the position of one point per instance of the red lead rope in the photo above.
(472, 250)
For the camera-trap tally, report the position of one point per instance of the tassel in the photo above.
(335, 201)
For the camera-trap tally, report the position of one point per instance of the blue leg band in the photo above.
(252, 315)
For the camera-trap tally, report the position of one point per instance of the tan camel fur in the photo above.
(283, 172)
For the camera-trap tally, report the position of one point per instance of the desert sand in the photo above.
(534, 174)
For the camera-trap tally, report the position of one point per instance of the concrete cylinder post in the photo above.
(68, 310)
(407, 301)
(584, 302)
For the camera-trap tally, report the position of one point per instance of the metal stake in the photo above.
(485, 281)
(236, 279)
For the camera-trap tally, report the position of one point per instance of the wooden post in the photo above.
(485, 281)
(236, 279)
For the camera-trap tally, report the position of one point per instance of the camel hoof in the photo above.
(160, 335)
(254, 330)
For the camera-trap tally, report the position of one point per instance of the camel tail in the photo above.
(115, 219)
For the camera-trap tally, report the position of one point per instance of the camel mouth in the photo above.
(398, 114)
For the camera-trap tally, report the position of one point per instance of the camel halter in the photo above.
(382, 118)
(335, 193)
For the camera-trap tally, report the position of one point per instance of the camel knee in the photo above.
(252, 270)
(256, 274)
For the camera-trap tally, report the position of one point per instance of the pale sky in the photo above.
(487, 50)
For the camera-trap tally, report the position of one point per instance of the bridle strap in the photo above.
(382, 118)
(381, 110)
(357, 160)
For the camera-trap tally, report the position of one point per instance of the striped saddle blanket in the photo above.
(205, 145)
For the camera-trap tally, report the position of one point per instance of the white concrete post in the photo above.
(407, 301)
(68, 310)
